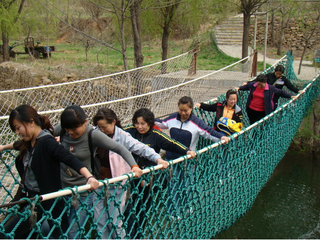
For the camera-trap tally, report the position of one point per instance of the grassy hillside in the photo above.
(102, 60)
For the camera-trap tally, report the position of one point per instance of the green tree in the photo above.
(286, 10)
(117, 10)
(183, 16)
(135, 16)
(10, 11)
(309, 22)
(248, 8)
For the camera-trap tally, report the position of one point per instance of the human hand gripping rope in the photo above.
(136, 170)
(191, 153)
(93, 182)
(225, 139)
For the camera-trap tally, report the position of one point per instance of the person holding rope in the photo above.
(226, 110)
(261, 98)
(278, 80)
(185, 128)
(78, 138)
(38, 164)
(112, 165)
(143, 129)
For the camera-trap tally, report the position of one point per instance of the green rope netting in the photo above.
(195, 198)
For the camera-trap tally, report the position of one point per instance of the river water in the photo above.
(288, 206)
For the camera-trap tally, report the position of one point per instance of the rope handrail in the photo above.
(94, 78)
(140, 95)
(217, 186)
(180, 159)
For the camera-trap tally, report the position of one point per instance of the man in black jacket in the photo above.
(279, 81)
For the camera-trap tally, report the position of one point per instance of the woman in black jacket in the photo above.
(260, 101)
(227, 108)
(143, 129)
(38, 165)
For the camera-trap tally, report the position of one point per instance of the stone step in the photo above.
(225, 30)
(228, 34)
(230, 25)
(229, 43)
(232, 21)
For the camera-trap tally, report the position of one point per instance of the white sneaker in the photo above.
(190, 210)
(173, 218)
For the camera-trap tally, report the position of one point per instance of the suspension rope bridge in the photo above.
(223, 183)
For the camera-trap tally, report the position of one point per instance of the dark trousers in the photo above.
(140, 204)
(255, 116)
(25, 227)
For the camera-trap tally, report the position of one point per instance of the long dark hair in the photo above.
(146, 114)
(27, 114)
(108, 115)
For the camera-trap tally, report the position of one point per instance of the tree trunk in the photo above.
(164, 42)
(5, 46)
(169, 13)
(279, 47)
(245, 36)
(5, 35)
(272, 29)
(164, 45)
(302, 56)
(122, 40)
(136, 29)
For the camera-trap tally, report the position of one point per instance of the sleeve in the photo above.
(168, 144)
(245, 87)
(209, 107)
(60, 154)
(100, 139)
(281, 93)
(208, 132)
(161, 123)
(289, 85)
(139, 148)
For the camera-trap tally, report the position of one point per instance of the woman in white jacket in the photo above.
(111, 165)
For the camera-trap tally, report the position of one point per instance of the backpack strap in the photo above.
(91, 151)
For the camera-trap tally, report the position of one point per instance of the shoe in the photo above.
(173, 218)
(190, 211)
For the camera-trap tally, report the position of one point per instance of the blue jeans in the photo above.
(109, 208)
(76, 219)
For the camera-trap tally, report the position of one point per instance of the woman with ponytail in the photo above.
(38, 165)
